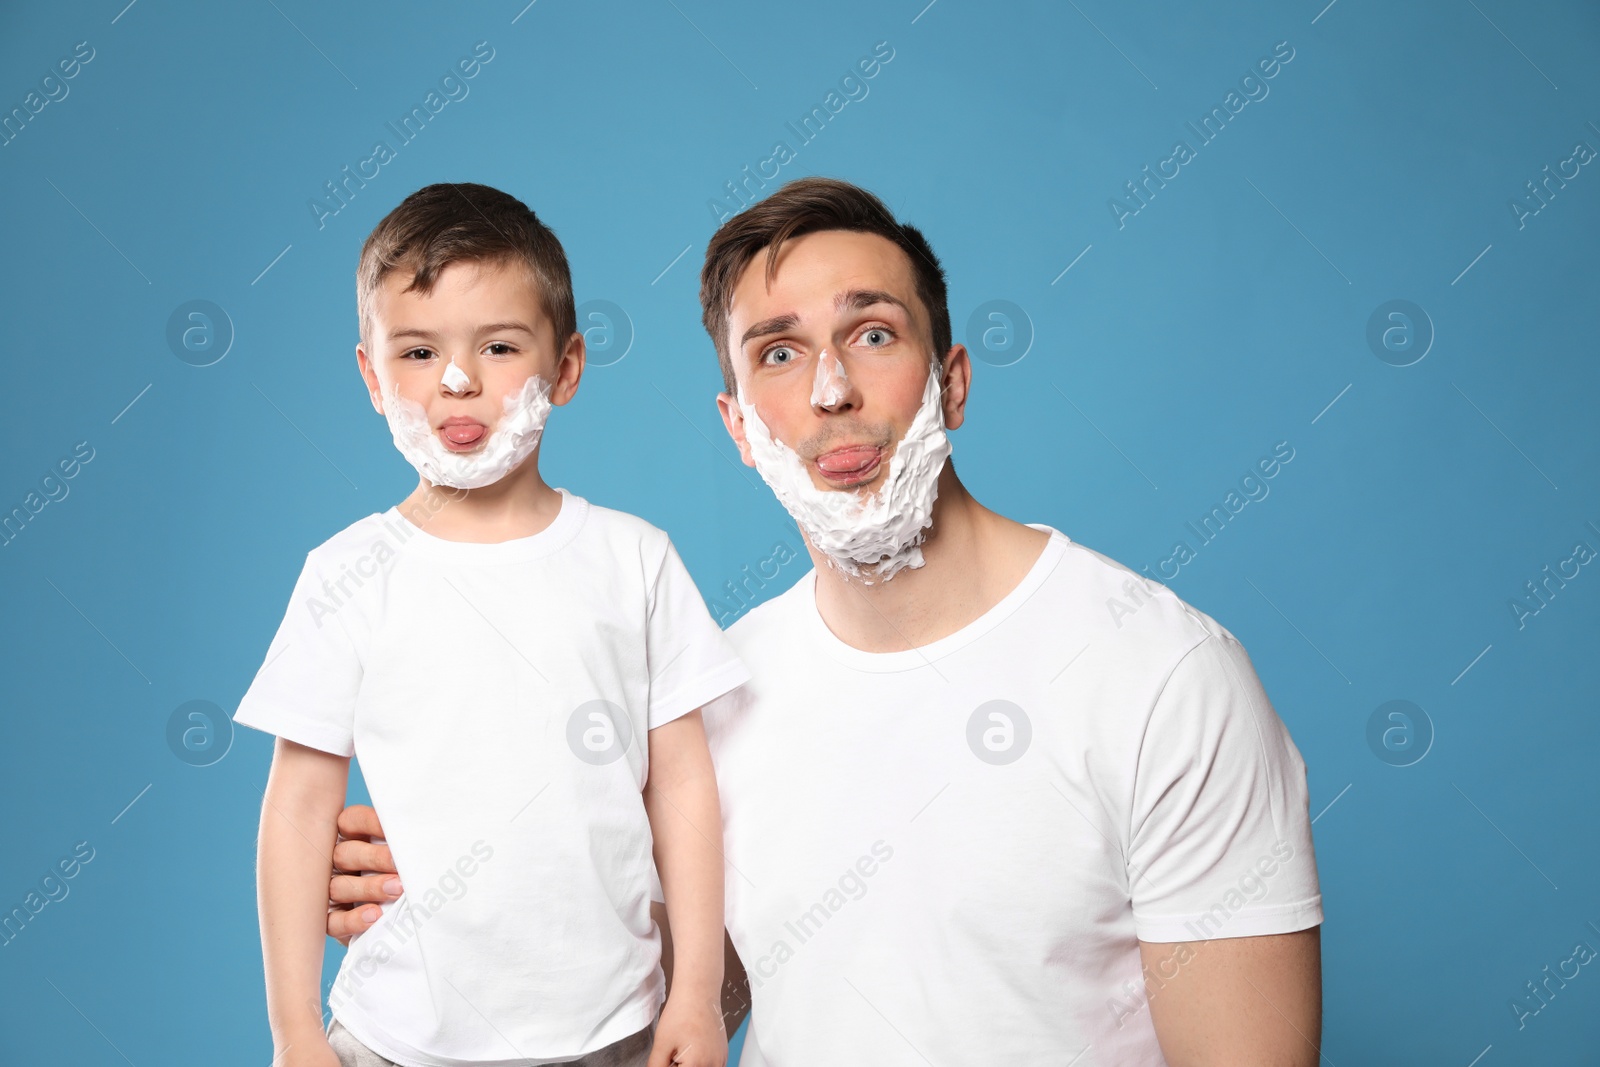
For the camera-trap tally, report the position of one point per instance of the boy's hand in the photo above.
(689, 1035)
(358, 825)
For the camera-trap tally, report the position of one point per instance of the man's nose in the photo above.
(830, 387)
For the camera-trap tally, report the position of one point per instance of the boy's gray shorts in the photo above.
(631, 1051)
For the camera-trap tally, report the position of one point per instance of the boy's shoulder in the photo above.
(382, 530)
(617, 535)
(621, 526)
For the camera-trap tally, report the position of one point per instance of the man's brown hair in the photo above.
(446, 223)
(809, 205)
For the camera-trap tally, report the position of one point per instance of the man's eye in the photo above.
(778, 356)
(877, 337)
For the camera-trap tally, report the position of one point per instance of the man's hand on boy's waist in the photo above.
(349, 890)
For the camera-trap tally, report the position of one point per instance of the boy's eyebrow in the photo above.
(489, 327)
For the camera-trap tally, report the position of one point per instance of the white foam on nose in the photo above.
(830, 384)
(455, 379)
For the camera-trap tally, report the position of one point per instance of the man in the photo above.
(990, 796)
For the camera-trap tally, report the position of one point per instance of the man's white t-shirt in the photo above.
(950, 854)
(498, 698)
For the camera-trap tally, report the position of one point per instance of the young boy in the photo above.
(519, 673)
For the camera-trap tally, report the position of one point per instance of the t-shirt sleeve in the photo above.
(691, 660)
(1219, 839)
(657, 894)
(306, 688)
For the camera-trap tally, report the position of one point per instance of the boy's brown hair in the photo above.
(809, 205)
(446, 223)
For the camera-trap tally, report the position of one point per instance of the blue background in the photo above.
(1228, 314)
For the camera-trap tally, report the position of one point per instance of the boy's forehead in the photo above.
(464, 285)
(462, 275)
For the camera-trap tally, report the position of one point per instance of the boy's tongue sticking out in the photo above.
(462, 434)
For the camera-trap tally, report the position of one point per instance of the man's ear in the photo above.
(733, 422)
(569, 370)
(370, 376)
(954, 386)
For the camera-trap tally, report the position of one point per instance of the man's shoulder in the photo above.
(1148, 619)
(776, 613)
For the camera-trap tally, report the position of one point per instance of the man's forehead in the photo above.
(833, 269)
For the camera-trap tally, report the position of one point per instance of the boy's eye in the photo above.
(500, 348)
(877, 337)
(778, 356)
(417, 353)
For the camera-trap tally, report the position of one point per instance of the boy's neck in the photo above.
(518, 505)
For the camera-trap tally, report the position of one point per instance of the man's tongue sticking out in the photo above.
(852, 463)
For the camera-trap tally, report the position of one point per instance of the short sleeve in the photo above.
(691, 660)
(657, 894)
(1219, 839)
(306, 688)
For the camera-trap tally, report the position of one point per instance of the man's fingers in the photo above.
(345, 923)
(359, 820)
(356, 852)
(372, 888)
(362, 856)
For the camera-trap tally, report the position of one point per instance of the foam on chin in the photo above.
(868, 536)
(510, 441)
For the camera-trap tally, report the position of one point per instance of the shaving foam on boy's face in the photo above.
(455, 379)
(870, 535)
(475, 455)
(466, 403)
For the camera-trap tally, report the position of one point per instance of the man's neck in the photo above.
(518, 505)
(972, 558)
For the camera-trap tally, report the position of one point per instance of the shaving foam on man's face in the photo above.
(829, 385)
(870, 535)
(833, 344)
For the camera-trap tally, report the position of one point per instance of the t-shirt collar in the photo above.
(560, 532)
(924, 655)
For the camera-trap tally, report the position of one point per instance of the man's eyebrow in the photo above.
(850, 300)
(768, 327)
(857, 299)
(430, 335)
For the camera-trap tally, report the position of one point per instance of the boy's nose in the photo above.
(455, 379)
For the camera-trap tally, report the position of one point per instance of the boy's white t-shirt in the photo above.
(498, 698)
(950, 854)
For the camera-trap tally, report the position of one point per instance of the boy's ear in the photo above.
(370, 376)
(569, 370)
